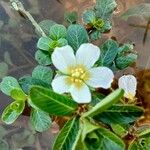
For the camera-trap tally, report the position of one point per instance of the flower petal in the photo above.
(81, 95)
(129, 84)
(59, 84)
(63, 57)
(87, 54)
(100, 77)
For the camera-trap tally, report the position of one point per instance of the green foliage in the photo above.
(52, 103)
(13, 111)
(8, 84)
(96, 137)
(140, 10)
(26, 82)
(89, 16)
(108, 52)
(57, 31)
(95, 35)
(107, 102)
(71, 17)
(43, 57)
(76, 35)
(105, 8)
(56, 38)
(18, 94)
(42, 73)
(115, 57)
(44, 43)
(40, 120)
(67, 136)
(120, 114)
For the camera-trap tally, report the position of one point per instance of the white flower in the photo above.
(129, 84)
(77, 72)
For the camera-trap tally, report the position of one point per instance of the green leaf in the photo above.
(71, 17)
(144, 133)
(119, 130)
(105, 8)
(44, 43)
(140, 10)
(3, 69)
(96, 98)
(96, 137)
(95, 35)
(57, 31)
(46, 25)
(107, 102)
(26, 82)
(43, 57)
(13, 111)
(106, 140)
(62, 42)
(108, 52)
(89, 16)
(76, 35)
(52, 103)
(67, 136)
(40, 120)
(120, 114)
(125, 61)
(43, 73)
(18, 94)
(8, 84)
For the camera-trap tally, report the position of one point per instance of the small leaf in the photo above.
(57, 31)
(44, 43)
(95, 35)
(76, 35)
(67, 136)
(12, 111)
(26, 82)
(71, 17)
(62, 42)
(40, 120)
(120, 114)
(46, 25)
(89, 16)
(105, 8)
(3, 69)
(43, 57)
(43, 73)
(123, 62)
(119, 130)
(52, 103)
(7, 58)
(18, 94)
(8, 84)
(107, 102)
(142, 10)
(108, 52)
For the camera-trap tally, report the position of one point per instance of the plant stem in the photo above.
(18, 6)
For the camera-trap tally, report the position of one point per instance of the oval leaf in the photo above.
(51, 102)
(8, 84)
(43, 73)
(12, 111)
(40, 120)
(67, 136)
(76, 35)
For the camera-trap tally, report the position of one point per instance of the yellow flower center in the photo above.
(77, 75)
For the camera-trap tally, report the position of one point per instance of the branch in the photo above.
(18, 6)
